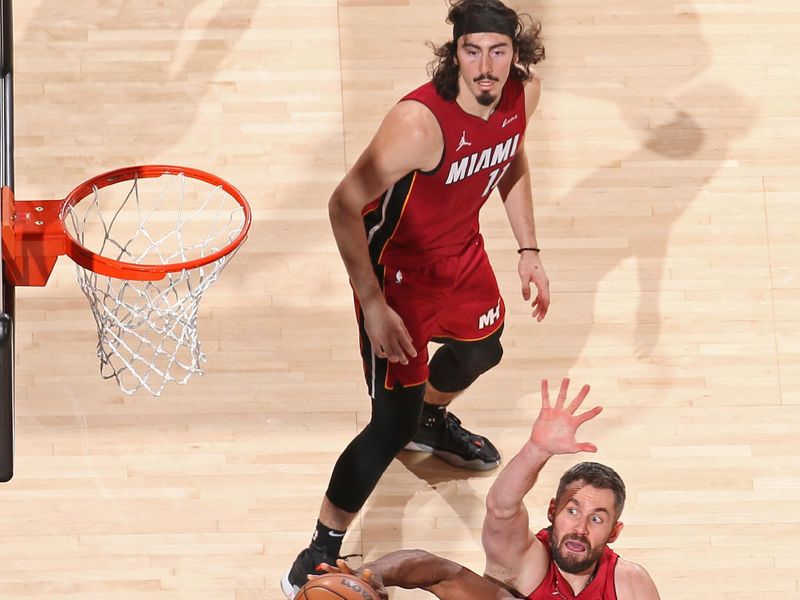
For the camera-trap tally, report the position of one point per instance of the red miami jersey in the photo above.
(429, 215)
(555, 587)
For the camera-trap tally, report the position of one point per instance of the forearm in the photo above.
(518, 202)
(348, 230)
(417, 569)
(505, 497)
(412, 569)
(506, 535)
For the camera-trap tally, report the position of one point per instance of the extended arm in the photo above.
(409, 138)
(513, 555)
(515, 189)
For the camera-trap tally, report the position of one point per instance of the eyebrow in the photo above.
(594, 510)
(492, 47)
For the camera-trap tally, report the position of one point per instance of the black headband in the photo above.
(485, 21)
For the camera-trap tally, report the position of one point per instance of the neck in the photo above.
(470, 105)
(579, 581)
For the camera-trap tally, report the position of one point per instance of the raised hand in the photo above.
(555, 428)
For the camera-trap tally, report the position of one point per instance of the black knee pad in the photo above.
(395, 419)
(456, 365)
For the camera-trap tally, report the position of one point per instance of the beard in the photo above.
(485, 98)
(568, 561)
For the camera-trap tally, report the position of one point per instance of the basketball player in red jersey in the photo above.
(405, 219)
(568, 560)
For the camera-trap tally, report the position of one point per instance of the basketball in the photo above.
(336, 586)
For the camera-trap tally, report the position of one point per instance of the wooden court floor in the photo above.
(665, 161)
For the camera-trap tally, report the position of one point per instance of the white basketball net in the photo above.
(147, 330)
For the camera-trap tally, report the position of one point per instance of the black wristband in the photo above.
(521, 250)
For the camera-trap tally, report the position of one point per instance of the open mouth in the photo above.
(575, 546)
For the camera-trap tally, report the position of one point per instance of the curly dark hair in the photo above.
(597, 475)
(526, 42)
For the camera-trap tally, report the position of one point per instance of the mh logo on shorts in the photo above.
(488, 319)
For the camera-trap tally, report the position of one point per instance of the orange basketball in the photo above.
(336, 586)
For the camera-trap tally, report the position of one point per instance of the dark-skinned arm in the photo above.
(418, 569)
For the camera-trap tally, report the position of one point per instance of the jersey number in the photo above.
(494, 178)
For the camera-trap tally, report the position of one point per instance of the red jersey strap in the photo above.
(555, 587)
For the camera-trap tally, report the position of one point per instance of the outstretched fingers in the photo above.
(574, 405)
(578, 400)
(589, 414)
(562, 396)
(545, 395)
(562, 393)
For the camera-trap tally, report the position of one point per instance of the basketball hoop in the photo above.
(148, 242)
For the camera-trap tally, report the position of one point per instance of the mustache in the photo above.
(485, 77)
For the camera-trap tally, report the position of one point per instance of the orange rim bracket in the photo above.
(33, 239)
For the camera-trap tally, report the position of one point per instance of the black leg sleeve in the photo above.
(395, 418)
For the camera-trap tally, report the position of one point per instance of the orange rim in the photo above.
(146, 272)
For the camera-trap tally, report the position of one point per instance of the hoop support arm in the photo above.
(33, 239)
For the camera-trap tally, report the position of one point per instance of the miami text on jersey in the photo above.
(478, 161)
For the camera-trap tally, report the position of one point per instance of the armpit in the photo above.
(506, 583)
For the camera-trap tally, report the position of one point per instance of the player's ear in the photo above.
(551, 510)
(615, 531)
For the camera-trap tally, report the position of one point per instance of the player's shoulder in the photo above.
(533, 92)
(409, 138)
(634, 582)
(413, 120)
(534, 84)
(413, 112)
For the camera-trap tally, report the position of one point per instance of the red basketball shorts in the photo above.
(454, 298)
